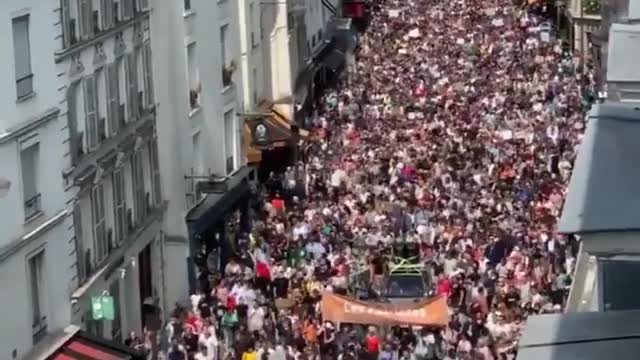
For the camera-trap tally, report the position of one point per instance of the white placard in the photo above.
(414, 33)
(506, 134)
(394, 13)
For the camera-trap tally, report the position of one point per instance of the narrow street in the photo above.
(437, 169)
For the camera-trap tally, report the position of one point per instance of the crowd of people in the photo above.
(457, 132)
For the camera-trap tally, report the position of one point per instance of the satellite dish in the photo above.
(5, 185)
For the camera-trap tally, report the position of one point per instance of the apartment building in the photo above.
(205, 179)
(104, 77)
(601, 208)
(35, 269)
(251, 38)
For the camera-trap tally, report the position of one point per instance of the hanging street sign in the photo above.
(260, 133)
(102, 308)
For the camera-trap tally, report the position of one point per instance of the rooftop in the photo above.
(624, 50)
(583, 336)
(603, 191)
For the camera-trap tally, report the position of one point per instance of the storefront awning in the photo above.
(303, 83)
(335, 60)
(215, 205)
(253, 155)
(282, 119)
(75, 344)
(268, 133)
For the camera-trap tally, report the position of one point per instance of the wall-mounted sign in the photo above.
(260, 132)
(102, 308)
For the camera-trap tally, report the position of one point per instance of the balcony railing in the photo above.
(32, 206)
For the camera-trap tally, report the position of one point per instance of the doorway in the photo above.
(145, 279)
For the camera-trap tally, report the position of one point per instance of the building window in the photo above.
(187, 5)
(260, 25)
(94, 327)
(618, 280)
(313, 41)
(197, 154)
(128, 9)
(154, 162)
(116, 323)
(255, 85)
(38, 295)
(227, 71)
(132, 85)
(229, 140)
(254, 42)
(324, 13)
(113, 98)
(30, 158)
(81, 265)
(85, 10)
(107, 15)
(69, 34)
(91, 111)
(192, 68)
(148, 74)
(120, 205)
(22, 57)
(139, 194)
(101, 248)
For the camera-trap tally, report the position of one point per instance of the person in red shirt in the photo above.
(278, 203)
(373, 343)
(443, 287)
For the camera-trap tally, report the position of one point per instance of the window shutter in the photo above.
(128, 9)
(66, 24)
(91, 115)
(86, 21)
(148, 74)
(130, 95)
(132, 86)
(113, 98)
(107, 14)
(77, 224)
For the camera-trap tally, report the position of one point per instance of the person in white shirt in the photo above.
(209, 342)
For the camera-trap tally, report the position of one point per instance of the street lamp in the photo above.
(5, 185)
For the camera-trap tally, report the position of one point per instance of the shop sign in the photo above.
(102, 308)
(260, 132)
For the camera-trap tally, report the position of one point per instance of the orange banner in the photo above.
(431, 312)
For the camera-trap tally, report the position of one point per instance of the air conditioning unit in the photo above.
(131, 224)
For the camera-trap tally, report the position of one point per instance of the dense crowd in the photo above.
(457, 133)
